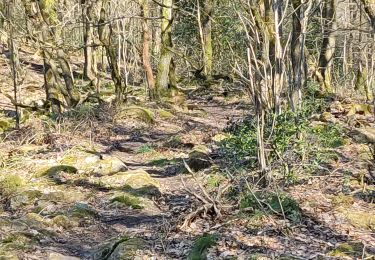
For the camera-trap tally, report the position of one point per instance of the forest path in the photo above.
(70, 215)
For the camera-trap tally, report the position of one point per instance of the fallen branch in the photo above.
(209, 204)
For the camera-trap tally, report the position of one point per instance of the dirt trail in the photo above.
(156, 149)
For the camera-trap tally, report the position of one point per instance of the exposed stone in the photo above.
(364, 135)
(58, 256)
(199, 158)
(328, 117)
(94, 163)
(124, 248)
(134, 180)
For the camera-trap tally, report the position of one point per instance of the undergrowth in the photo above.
(292, 144)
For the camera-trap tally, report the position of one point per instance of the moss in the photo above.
(88, 162)
(11, 184)
(127, 200)
(15, 241)
(63, 221)
(163, 162)
(55, 170)
(350, 249)
(83, 210)
(165, 114)
(199, 250)
(5, 124)
(145, 149)
(144, 114)
(122, 248)
(342, 200)
(361, 219)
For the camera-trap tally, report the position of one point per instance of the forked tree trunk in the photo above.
(105, 37)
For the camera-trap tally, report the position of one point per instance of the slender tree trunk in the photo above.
(105, 33)
(14, 61)
(328, 46)
(164, 65)
(146, 49)
(208, 6)
(90, 66)
(297, 49)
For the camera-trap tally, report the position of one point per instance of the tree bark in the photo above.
(90, 66)
(164, 65)
(328, 45)
(105, 35)
(147, 37)
(208, 6)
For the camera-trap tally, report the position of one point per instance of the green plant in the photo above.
(145, 149)
(272, 203)
(199, 250)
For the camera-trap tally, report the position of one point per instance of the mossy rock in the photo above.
(119, 249)
(11, 184)
(165, 114)
(54, 171)
(83, 210)
(35, 220)
(5, 124)
(137, 181)
(347, 250)
(141, 113)
(93, 164)
(199, 158)
(220, 137)
(364, 135)
(25, 198)
(14, 241)
(4, 255)
(127, 200)
(342, 200)
(63, 222)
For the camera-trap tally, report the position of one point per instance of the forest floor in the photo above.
(101, 183)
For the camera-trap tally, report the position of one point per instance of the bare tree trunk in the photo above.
(297, 50)
(146, 49)
(90, 66)
(105, 35)
(208, 6)
(164, 65)
(14, 61)
(328, 46)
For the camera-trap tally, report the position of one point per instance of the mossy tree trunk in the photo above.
(208, 7)
(44, 29)
(163, 82)
(90, 65)
(147, 38)
(105, 36)
(327, 50)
